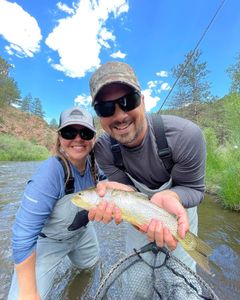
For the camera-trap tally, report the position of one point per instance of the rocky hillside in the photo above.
(23, 125)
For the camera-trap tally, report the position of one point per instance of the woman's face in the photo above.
(76, 149)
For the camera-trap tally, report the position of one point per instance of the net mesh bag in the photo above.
(152, 273)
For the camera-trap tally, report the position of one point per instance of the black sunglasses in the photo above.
(70, 133)
(126, 103)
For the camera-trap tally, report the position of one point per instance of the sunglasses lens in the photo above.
(86, 133)
(70, 133)
(128, 102)
(105, 109)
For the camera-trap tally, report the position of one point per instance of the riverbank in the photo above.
(18, 149)
(223, 171)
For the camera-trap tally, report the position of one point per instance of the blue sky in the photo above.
(55, 46)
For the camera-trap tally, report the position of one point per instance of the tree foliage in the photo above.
(37, 109)
(234, 73)
(9, 92)
(53, 124)
(231, 108)
(193, 87)
(26, 103)
(4, 68)
(32, 106)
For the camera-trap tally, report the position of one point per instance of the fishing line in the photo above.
(193, 52)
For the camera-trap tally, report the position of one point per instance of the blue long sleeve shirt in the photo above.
(37, 203)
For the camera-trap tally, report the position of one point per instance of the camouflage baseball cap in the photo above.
(112, 72)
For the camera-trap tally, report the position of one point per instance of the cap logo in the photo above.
(76, 113)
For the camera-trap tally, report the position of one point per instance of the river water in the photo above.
(218, 227)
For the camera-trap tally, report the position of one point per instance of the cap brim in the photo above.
(74, 123)
(110, 81)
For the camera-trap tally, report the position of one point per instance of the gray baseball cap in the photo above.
(76, 116)
(112, 72)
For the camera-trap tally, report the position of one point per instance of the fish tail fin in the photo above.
(197, 249)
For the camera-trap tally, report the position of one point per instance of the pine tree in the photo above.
(26, 103)
(37, 108)
(53, 124)
(193, 87)
(9, 92)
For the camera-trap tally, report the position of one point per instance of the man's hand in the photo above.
(156, 230)
(107, 211)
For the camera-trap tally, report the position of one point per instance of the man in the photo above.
(117, 100)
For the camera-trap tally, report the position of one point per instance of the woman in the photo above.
(48, 226)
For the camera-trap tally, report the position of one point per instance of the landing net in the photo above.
(153, 273)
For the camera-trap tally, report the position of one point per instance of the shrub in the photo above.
(15, 149)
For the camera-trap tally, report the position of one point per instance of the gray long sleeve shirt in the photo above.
(143, 163)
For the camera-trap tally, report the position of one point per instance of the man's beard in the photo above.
(129, 138)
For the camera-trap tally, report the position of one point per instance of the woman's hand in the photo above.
(106, 211)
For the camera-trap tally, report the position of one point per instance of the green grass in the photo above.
(223, 170)
(16, 149)
(230, 178)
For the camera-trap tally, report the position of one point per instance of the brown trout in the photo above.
(138, 210)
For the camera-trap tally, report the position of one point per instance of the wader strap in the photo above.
(69, 182)
(164, 152)
(117, 155)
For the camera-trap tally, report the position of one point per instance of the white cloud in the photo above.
(20, 29)
(162, 74)
(65, 8)
(105, 35)
(149, 100)
(152, 83)
(165, 86)
(83, 100)
(123, 8)
(118, 54)
(79, 38)
(152, 93)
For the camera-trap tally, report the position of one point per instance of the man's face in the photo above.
(128, 128)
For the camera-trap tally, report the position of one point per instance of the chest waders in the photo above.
(81, 217)
(136, 239)
(64, 235)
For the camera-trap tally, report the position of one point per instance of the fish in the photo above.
(136, 209)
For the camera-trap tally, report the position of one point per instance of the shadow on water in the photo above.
(219, 228)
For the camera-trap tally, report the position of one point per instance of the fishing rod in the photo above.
(192, 54)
